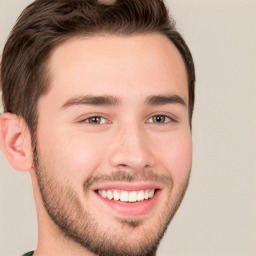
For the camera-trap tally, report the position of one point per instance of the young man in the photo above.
(98, 99)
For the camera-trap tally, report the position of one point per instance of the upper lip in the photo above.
(127, 186)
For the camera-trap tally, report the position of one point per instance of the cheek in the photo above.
(85, 155)
(75, 156)
(176, 156)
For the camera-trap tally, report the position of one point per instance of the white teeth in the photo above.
(104, 194)
(125, 196)
(132, 197)
(151, 193)
(110, 195)
(140, 196)
(146, 195)
(116, 196)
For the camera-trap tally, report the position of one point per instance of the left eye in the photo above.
(95, 120)
(159, 119)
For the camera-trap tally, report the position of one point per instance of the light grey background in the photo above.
(218, 214)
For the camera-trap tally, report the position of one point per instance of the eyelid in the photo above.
(85, 119)
(171, 119)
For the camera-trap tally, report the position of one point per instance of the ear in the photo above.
(15, 141)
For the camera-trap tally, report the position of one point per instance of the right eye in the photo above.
(95, 120)
(159, 119)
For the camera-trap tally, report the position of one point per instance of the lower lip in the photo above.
(132, 209)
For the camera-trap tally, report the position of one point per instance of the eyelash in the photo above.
(170, 119)
(87, 120)
(161, 116)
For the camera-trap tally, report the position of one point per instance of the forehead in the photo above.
(120, 65)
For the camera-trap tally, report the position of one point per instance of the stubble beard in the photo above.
(78, 224)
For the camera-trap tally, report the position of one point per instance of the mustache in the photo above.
(128, 176)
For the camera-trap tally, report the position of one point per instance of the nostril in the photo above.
(131, 156)
(123, 165)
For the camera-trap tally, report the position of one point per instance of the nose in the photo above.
(131, 149)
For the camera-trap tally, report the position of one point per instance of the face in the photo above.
(114, 146)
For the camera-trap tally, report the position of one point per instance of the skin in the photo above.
(72, 150)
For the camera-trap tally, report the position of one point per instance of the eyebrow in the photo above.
(91, 100)
(107, 100)
(159, 100)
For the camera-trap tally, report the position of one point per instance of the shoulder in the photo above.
(28, 254)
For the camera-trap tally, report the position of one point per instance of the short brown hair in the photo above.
(44, 24)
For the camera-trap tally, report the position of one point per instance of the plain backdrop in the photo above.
(218, 214)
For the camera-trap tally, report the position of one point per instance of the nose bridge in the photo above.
(132, 148)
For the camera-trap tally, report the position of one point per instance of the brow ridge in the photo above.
(104, 100)
(108, 100)
(159, 100)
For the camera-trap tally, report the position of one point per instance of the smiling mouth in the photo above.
(127, 196)
(129, 200)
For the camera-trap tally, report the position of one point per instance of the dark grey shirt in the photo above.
(28, 254)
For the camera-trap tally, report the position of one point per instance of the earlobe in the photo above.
(15, 141)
